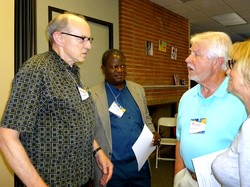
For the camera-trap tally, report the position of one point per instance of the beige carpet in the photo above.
(163, 175)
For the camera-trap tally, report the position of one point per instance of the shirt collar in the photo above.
(114, 89)
(64, 65)
(220, 92)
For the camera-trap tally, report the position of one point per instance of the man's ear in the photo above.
(103, 69)
(218, 62)
(58, 39)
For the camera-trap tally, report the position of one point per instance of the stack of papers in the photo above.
(202, 166)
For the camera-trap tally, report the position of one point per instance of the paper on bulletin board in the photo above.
(162, 46)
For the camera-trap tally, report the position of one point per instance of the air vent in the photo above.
(185, 1)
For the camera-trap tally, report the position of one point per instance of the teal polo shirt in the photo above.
(224, 114)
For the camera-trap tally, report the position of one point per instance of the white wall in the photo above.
(6, 72)
(106, 10)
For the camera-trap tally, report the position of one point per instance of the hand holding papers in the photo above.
(143, 146)
(202, 166)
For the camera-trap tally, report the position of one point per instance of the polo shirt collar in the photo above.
(220, 92)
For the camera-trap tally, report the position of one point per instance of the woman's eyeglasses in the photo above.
(230, 63)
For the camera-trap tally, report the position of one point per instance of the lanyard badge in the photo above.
(83, 93)
(198, 126)
(117, 109)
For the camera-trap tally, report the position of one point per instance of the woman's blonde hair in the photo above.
(240, 52)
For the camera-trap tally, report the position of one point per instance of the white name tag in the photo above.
(197, 126)
(117, 109)
(83, 93)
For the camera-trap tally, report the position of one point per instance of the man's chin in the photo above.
(120, 78)
(80, 61)
(192, 78)
(119, 81)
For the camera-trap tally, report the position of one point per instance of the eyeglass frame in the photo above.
(230, 63)
(85, 39)
(116, 67)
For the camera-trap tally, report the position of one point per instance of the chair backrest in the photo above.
(167, 121)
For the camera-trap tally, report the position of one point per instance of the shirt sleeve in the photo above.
(244, 154)
(148, 117)
(21, 110)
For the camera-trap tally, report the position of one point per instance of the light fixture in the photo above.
(229, 19)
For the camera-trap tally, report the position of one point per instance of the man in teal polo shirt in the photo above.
(209, 117)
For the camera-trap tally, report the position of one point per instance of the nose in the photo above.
(119, 68)
(188, 59)
(88, 45)
(228, 71)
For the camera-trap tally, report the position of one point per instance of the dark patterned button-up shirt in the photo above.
(55, 124)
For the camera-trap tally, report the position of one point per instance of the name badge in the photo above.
(117, 109)
(83, 93)
(198, 126)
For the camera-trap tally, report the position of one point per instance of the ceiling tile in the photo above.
(199, 13)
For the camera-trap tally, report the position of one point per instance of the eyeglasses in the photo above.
(230, 63)
(84, 39)
(116, 67)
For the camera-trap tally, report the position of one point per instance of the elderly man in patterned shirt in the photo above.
(47, 129)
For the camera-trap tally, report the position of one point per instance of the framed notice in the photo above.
(149, 48)
(176, 79)
(162, 46)
(174, 53)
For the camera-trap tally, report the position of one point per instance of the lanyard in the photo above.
(84, 87)
(113, 93)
